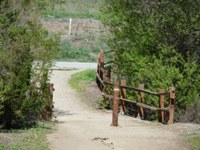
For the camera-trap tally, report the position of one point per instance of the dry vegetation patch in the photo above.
(31, 139)
(86, 38)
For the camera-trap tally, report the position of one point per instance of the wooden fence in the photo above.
(119, 96)
(48, 108)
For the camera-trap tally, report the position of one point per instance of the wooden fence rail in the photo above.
(120, 95)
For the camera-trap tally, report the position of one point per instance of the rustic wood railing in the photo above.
(49, 107)
(120, 95)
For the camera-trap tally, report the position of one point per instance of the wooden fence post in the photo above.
(161, 105)
(51, 89)
(49, 108)
(171, 105)
(140, 100)
(100, 66)
(123, 92)
(115, 105)
(107, 89)
(101, 62)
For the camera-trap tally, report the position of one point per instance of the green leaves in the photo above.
(156, 43)
(23, 41)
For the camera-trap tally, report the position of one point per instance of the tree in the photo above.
(26, 51)
(157, 43)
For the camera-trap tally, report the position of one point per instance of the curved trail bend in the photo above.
(81, 128)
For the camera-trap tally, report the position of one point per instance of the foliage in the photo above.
(157, 43)
(25, 53)
(70, 52)
(194, 141)
(79, 80)
(103, 103)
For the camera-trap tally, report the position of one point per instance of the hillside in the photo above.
(82, 40)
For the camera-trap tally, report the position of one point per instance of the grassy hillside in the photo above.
(87, 33)
(74, 9)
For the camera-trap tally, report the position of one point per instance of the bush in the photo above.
(70, 52)
(25, 55)
(155, 47)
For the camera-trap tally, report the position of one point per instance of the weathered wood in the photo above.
(145, 106)
(144, 91)
(138, 104)
(171, 105)
(161, 105)
(104, 80)
(100, 80)
(107, 78)
(101, 77)
(100, 69)
(101, 57)
(49, 107)
(140, 100)
(51, 89)
(115, 105)
(97, 73)
(123, 95)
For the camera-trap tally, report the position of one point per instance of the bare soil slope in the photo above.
(81, 128)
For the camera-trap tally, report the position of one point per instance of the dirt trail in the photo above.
(80, 128)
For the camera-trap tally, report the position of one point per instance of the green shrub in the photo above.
(26, 51)
(156, 43)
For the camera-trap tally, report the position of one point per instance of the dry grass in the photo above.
(31, 139)
(83, 44)
(84, 32)
(74, 9)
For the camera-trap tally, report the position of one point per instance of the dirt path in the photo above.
(80, 128)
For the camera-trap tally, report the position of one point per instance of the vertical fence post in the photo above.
(51, 89)
(161, 104)
(49, 108)
(140, 100)
(98, 69)
(115, 105)
(101, 67)
(123, 91)
(171, 105)
(107, 89)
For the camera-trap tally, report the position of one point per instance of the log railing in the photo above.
(48, 107)
(120, 96)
